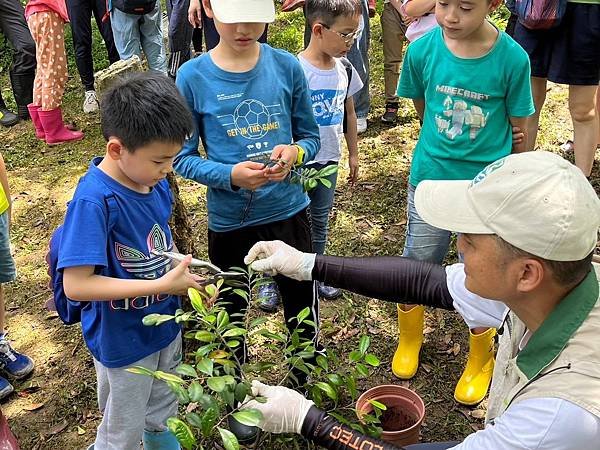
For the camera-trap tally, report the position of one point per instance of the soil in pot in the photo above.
(396, 419)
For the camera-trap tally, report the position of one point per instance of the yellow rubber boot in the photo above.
(410, 339)
(476, 378)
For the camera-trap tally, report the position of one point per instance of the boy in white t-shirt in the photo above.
(332, 80)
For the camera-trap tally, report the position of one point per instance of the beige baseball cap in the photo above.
(243, 11)
(536, 201)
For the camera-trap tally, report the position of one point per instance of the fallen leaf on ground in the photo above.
(33, 406)
(59, 427)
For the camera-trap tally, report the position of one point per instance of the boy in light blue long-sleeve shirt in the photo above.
(253, 113)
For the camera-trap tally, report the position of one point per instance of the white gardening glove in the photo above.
(276, 257)
(284, 410)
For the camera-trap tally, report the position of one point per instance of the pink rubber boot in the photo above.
(55, 129)
(37, 123)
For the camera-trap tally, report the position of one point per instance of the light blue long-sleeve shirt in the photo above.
(242, 117)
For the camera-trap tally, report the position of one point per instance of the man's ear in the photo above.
(208, 10)
(114, 148)
(532, 274)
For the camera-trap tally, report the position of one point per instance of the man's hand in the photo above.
(286, 156)
(195, 14)
(248, 175)
(284, 411)
(177, 280)
(353, 166)
(276, 257)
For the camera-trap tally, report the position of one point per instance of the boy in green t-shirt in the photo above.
(470, 85)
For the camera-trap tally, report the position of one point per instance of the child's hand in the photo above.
(517, 136)
(286, 156)
(179, 279)
(195, 14)
(248, 175)
(353, 166)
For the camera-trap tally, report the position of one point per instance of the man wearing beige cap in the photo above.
(528, 227)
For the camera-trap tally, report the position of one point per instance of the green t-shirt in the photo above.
(468, 103)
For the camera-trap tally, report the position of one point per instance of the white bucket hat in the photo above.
(536, 201)
(243, 11)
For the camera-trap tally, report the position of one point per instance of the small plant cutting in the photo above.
(309, 177)
(213, 381)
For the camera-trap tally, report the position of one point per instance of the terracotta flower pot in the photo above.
(405, 412)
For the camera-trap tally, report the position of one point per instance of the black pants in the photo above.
(14, 27)
(80, 15)
(228, 249)
(211, 36)
(180, 35)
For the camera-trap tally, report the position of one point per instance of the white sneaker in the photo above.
(90, 104)
(361, 125)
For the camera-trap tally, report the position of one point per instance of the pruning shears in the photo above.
(205, 267)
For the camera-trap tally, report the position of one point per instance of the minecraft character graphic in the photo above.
(476, 119)
(457, 115)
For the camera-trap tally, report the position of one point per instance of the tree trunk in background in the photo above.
(180, 223)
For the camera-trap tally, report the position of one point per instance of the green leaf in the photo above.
(334, 378)
(354, 356)
(322, 362)
(217, 384)
(241, 391)
(222, 319)
(193, 419)
(182, 432)
(205, 366)
(328, 170)
(186, 369)
(204, 336)
(372, 360)
(325, 182)
(303, 314)
(250, 417)
(312, 184)
(258, 322)
(230, 442)
(140, 371)
(327, 389)
(167, 377)
(208, 420)
(377, 404)
(156, 319)
(362, 370)
(195, 391)
(196, 300)
(234, 332)
(363, 345)
(180, 392)
(211, 290)
(242, 293)
(233, 343)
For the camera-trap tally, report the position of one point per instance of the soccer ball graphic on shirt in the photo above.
(251, 118)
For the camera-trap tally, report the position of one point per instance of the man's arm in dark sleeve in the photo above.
(390, 278)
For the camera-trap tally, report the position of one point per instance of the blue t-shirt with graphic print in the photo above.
(242, 116)
(113, 330)
(468, 103)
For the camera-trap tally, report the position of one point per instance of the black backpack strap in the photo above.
(348, 66)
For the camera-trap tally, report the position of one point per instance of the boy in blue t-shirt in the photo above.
(332, 81)
(119, 214)
(470, 86)
(252, 110)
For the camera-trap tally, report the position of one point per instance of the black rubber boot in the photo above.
(7, 118)
(22, 85)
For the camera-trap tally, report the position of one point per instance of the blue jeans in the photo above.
(7, 264)
(359, 57)
(423, 241)
(134, 33)
(321, 201)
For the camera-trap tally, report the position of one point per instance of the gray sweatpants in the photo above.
(132, 403)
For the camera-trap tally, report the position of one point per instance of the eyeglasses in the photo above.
(348, 38)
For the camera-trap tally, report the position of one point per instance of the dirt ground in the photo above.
(56, 407)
